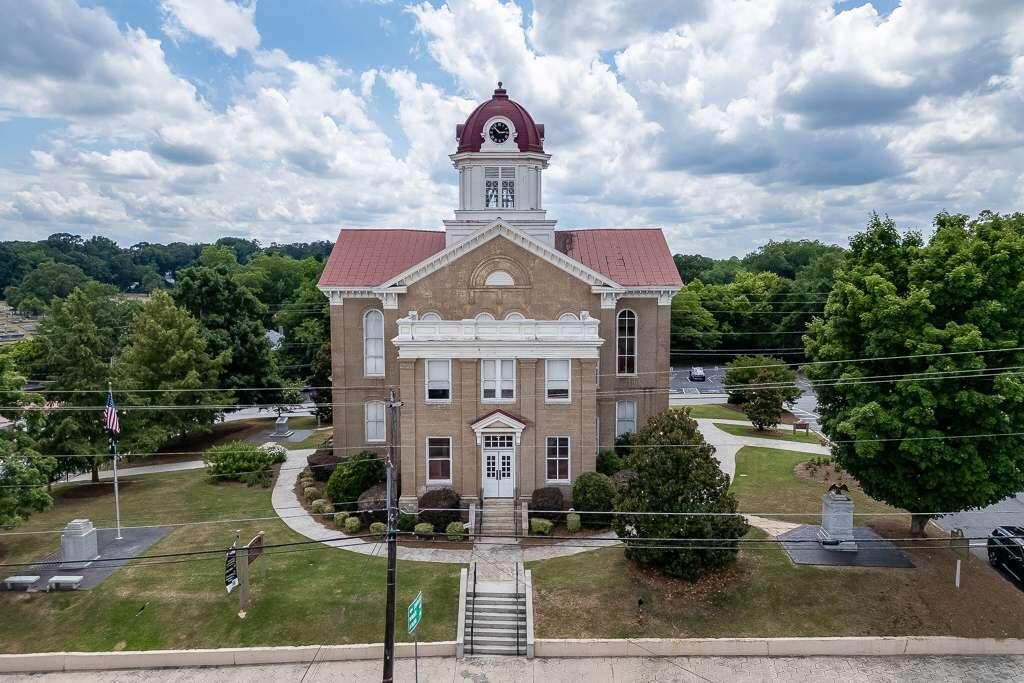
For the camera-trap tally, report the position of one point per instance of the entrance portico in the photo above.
(498, 436)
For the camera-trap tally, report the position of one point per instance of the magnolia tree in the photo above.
(676, 471)
(920, 350)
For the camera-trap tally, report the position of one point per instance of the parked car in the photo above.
(1006, 550)
(697, 375)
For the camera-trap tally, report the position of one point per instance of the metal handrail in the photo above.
(472, 614)
(516, 594)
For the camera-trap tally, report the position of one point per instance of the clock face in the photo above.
(498, 132)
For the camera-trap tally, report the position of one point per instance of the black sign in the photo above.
(231, 571)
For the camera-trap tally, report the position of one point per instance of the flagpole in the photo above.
(113, 451)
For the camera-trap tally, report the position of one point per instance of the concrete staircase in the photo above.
(494, 619)
(499, 518)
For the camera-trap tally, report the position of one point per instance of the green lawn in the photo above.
(780, 435)
(766, 595)
(713, 411)
(765, 483)
(309, 596)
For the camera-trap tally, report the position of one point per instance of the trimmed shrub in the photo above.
(424, 530)
(311, 493)
(456, 531)
(318, 505)
(322, 463)
(352, 525)
(278, 453)
(440, 507)
(546, 499)
(609, 462)
(406, 522)
(339, 518)
(541, 527)
(354, 476)
(572, 522)
(594, 492)
(234, 459)
(373, 503)
(379, 529)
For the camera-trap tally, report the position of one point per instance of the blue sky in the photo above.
(726, 123)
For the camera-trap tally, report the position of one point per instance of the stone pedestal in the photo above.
(281, 426)
(836, 532)
(78, 544)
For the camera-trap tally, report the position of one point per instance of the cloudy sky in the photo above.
(726, 123)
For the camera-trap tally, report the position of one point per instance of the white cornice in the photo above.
(499, 228)
(337, 295)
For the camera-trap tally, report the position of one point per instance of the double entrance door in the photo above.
(499, 463)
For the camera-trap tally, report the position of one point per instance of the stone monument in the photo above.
(836, 531)
(78, 544)
(281, 426)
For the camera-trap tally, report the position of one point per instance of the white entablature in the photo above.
(498, 338)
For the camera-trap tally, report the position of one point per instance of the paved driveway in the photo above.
(982, 522)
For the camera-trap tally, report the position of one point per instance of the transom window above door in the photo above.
(497, 379)
(498, 440)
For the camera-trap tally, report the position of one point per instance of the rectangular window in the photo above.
(499, 187)
(374, 413)
(439, 379)
(498, 379)
(439, 458)
(556, 380)
(625, 417)
(558, 458)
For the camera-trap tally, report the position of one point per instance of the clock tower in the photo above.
(500, 159)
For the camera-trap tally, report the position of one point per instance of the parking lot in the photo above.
(715, 384)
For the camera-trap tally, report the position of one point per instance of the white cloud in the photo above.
(228, 25)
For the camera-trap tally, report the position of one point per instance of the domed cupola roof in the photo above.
(529, 135)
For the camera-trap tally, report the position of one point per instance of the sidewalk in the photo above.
(588, 670)
(727, 445)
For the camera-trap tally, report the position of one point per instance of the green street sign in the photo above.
(415, 611)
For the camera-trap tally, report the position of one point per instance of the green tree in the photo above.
(898, 423)
(166, 358)
(788, 257)
(276, 279)
(79, 338)
(231, 317)
(690, 266)
(48, 280)
(693, 327)
(763, 405)
(24, 478)
(676, 471)
(744, 372)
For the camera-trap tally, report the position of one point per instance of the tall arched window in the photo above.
(625, 347)
(373, 343)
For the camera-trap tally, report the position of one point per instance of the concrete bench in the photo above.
(64, 583)
(19, 583)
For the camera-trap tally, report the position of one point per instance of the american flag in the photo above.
(110, 415)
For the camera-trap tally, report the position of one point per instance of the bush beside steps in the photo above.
(541, 527)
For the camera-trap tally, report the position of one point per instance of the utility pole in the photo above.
(389, 618)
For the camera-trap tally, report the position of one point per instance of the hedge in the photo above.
(424, 530)
(234, 459)
(353, 476)
(456, 531)
(352, 525)
(546, 499)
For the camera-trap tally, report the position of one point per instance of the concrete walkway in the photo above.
(145, 469)
(587, 669)
(727, 445)
(489, 552)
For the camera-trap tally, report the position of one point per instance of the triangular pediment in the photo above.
(498, 420)
(499, 228)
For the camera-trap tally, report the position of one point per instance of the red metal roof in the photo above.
(371, 257)
(529, 135)
(637, 257)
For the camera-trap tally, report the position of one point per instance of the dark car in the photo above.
(697, 375)
(1006, 550)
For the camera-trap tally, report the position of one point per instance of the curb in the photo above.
(885, 646)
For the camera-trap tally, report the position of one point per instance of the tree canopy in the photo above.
(913, 424)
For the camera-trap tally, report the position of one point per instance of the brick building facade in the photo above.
(518, 350)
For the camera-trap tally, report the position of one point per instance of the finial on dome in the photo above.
(499, 84)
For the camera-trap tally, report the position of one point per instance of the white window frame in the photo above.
(426, 457)
(426, 380)
(431, 316)
(366, 352)
(515, 316)
(547, 380)
(618, 355)
(568, 460)
(497, 380)
(367, 421)
(619, 419)
(499, 278)
(501, 176)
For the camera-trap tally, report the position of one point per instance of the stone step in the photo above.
(481, 599)
(496, 608)
(492, 631)
(478, 620)
(479, 642)
(488, 594)
(495, 650)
